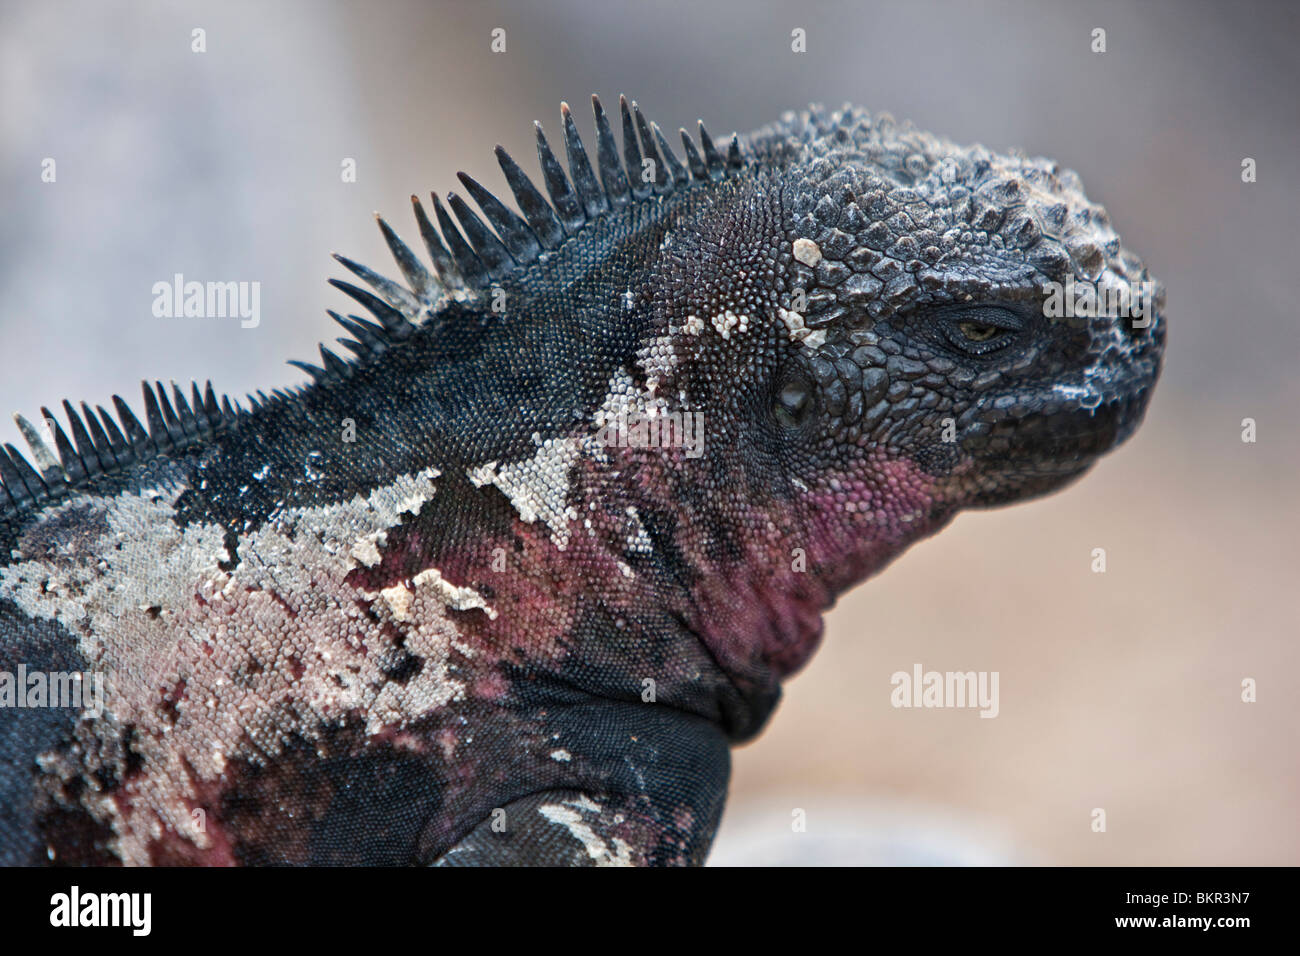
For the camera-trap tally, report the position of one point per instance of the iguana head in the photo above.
(882, 328)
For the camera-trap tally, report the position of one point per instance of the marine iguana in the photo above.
(505, 585)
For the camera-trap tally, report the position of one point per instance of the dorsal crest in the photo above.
(468, 254)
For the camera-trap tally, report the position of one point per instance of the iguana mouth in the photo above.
(1059, 428)
(1041, 451)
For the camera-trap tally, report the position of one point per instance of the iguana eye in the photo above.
(980, 330)
(977, 331)
(793, 404)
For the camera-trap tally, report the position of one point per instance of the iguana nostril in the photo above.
(1136, 327)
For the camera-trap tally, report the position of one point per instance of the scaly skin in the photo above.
(430, 608)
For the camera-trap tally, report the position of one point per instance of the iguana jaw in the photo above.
(1029, 443)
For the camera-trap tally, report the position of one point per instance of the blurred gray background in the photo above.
(1118, 690)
